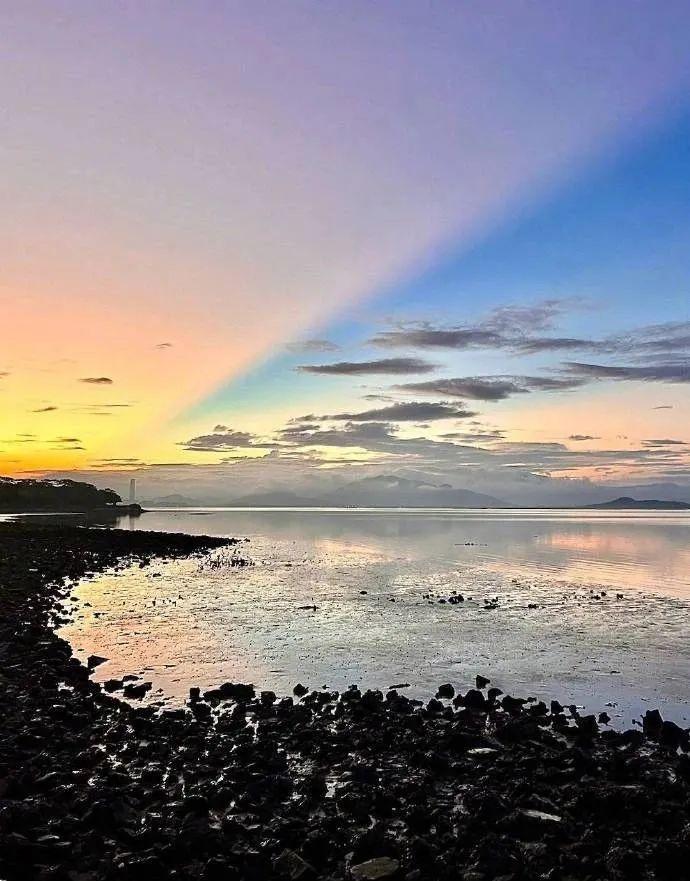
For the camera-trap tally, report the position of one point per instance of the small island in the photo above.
(626, 503)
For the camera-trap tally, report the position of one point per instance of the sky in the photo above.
(285, 245)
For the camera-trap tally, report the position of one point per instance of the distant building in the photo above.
(132, 491)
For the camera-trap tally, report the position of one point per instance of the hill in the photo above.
(273, 499)
(400, 492)
(626, 503)
(175, 500)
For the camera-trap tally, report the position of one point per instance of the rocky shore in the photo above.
(473, 785)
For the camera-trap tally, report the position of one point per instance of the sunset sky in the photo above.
(257, 244)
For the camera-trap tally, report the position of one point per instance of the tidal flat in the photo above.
(586, 607)
(471, 783)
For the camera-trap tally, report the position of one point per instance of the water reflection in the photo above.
(589, 607)
(648, 550)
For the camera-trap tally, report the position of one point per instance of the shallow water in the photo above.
(589, 607)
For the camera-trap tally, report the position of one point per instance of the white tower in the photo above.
(132, 491)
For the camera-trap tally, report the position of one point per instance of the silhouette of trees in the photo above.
(53, 495)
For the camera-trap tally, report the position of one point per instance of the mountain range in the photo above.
(394, 491)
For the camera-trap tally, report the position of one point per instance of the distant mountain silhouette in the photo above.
(175, 500)
(30, 496)
(629, 504)
(389, 491)
(274, 499)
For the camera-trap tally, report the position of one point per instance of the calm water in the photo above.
(592, 607)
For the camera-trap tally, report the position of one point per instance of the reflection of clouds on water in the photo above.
(559, 628)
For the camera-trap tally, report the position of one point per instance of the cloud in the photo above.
(663, 407)
(583, 437)
(314, 345)
(4, 373)
(436, 338)
(362, 368)
(350, 435)
(164, 345)
(664, 442)
(476, 388)
(503, 327)
(223, 440)
(414, 411)
(97, 380)
(490, 388)
(471, 437)
(519, 329)
(674, 373)
(535, 345)
(67, 440)
(48, 409)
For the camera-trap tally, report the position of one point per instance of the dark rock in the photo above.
(94, 661)
(376, 869)
(291, 865)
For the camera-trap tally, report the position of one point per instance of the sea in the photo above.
(589, 607)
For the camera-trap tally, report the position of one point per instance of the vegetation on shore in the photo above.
(17, 496)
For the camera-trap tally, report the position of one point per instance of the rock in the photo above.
(94, 661)
(291, 865)
(474, 700)
(445, 691)
(672, 735)
(482, 681)
(111, 685)
(375, 869)
(136, 691)
(300, 690)
(652, 723)
(530, 824)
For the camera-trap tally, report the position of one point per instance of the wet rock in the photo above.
(529, 823)
(94, 661)
(482, 681)
(445, 691)
(300, 690)
(652, 723)
(474, 700)
(111, 685)
(290, 865)
(136, 690)
(376, 869)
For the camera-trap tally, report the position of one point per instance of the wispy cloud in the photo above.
(362, 368)
(97, 380)
(674, 373)
(49, 409)
(312, 345)
(223, 439)
(490, 388)
(414, 411)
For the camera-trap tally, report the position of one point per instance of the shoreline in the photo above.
(246, 785)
